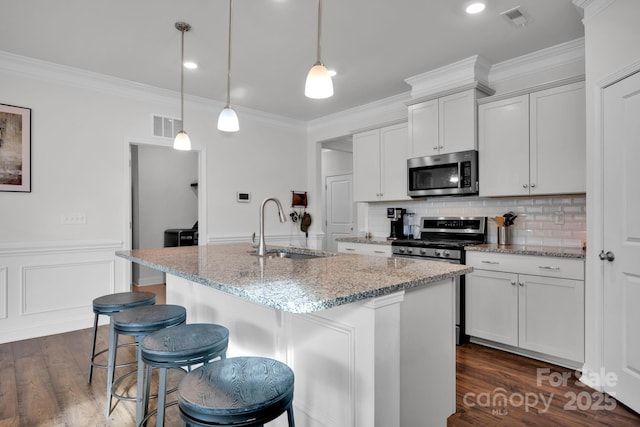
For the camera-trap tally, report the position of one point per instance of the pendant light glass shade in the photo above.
(319, 84)
(228, 119)
(182, 141)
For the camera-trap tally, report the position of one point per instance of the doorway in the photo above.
(336, 166)
(165, 191)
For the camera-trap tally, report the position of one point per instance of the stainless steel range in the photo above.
(443, 239)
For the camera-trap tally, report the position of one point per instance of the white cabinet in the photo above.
(533, 144)
(529, 302)
(380, 164)
(365, 249)
(443, 125)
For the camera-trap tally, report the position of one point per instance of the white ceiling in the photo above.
(373, 44)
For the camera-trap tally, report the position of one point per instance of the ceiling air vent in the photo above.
(517, 16)
(166, 127)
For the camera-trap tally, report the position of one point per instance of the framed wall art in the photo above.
(15, 148)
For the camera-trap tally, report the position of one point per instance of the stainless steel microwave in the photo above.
(443, 175)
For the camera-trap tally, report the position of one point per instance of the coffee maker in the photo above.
(397, 224)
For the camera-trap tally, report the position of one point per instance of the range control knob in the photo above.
(401, 250)
(409, 251)
(437, 253)
(423, 251)
(446, 254)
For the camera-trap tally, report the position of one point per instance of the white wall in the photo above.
(82, 125)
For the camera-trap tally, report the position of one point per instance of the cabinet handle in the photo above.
(441, 146)
(435, 148)
(533, 186)
(524, 186)
(513, 283)
(378, 252)
(521, 283)
(548, 267)
(490, 262)
(349, 249)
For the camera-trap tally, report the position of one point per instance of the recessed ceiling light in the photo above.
(190, 65)
(475, 8)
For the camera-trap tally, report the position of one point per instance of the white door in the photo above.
(622, 239)
(339, 209)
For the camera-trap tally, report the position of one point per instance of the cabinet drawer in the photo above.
(365, 249)
(565, 268)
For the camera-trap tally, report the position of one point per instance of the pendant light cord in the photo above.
(229, 58)
(182, 82)
(319, 28)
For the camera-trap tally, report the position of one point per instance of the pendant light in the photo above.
(319, 83)
(182, 141)
(228, 119)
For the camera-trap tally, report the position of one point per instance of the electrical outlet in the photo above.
(74, 218)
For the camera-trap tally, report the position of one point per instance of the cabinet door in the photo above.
(491, 300)
(423, 129)
(558, 140)
(504, 147)
(551, 316)
(366, 166)
(457, 122)
(393, 170)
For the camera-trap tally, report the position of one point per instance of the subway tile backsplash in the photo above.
(547, 221)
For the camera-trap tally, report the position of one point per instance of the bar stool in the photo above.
(108, 305)
(180, 346)
(138, 322)
(240, 391)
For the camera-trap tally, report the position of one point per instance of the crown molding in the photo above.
(393, 107)
(536, 62)
(474, 69)
(23, 66)
(591, 8)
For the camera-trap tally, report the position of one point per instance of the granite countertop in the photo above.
(367, 240)
(293, 285)
(550, 251)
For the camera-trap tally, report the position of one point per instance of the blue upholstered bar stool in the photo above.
(239, 391)
(180, 346)
(138, 322)
(108, 305)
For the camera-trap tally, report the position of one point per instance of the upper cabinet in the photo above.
(533, 143)
(442, 125)
(380, 164)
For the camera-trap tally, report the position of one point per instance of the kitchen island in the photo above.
(370, 339)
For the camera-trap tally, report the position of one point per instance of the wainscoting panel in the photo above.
(48, 287)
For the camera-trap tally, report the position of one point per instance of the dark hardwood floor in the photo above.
(495, 388)
(43, 382)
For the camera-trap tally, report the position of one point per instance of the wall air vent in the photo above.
(166, 127)
(517, 16)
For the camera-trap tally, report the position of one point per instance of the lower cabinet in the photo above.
(365, 249)
(528, 302)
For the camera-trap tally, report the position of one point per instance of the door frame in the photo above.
(594, 267)
(127, 193)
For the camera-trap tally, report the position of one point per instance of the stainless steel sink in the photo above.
(295, 254)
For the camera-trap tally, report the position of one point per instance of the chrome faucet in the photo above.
(262, 247)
